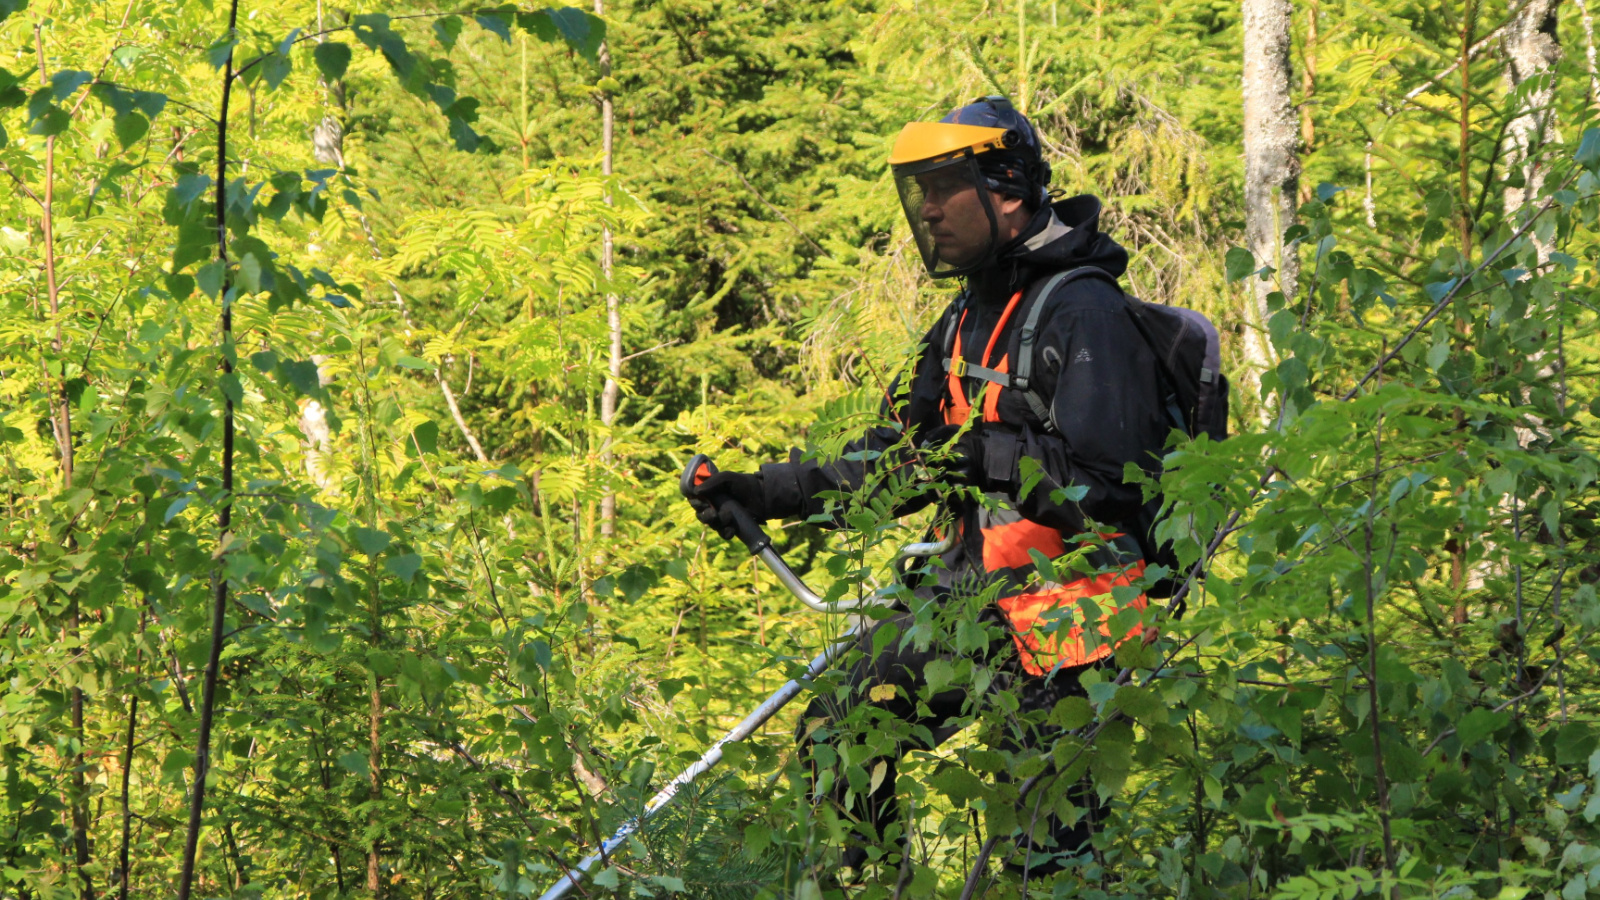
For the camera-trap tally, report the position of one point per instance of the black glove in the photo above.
(746, 489)
(961, 461)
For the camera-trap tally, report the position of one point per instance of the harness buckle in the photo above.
(958, 367)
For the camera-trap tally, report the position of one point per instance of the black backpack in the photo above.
(1189, 367)
(1185, 343)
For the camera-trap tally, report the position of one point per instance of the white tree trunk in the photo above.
(613, 386)
(1588, 52)
(1368, 204)
(1271, 168)
(318, 436)
(1531, 52)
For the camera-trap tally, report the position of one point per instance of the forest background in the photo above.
(351, 354)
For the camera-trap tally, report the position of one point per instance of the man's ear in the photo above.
(1005, 204)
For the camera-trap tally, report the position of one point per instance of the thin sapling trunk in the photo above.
(219, 597)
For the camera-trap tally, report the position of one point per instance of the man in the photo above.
(1080, 396)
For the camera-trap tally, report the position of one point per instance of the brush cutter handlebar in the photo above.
(728, 509)
(700, 468)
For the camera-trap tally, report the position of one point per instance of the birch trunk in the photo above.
(609, 394)
(1587, 20)
(1271, 168)
(1531, 52)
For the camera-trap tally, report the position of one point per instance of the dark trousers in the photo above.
(903, 669)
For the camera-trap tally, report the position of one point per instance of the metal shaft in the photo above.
(711, 757)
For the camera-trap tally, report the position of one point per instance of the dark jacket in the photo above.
(1091, 365)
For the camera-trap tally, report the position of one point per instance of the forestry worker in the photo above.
(1021, 364)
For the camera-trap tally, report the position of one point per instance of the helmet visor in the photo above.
(947, 206)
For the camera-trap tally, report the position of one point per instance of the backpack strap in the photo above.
(1023, 379)
(952, 318)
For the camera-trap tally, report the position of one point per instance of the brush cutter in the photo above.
(760, 546)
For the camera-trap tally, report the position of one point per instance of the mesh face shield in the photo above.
(946, 202)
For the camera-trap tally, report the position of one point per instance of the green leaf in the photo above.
(1439, 204)
(372, 541)
(1031, 473)
(1141, 704)
(264, 360)
(65, 83)
(494, 24)
(634, 581)
(10, 7)
(757, 838)
(151, 103)
(11, 90)
(404, 566)
(354, 763)
(209, 278)
(447, 31)
(583, 31)
(608, 879)
(1575, 742)
(130, 128)
(540, 650)
(425, 437)
(177, 506)
(45, 118)
(301, 375)
(381, 663)
(372, 29)
(274, 69)
(1479, 724)
(332, 60)
(229, 382)
(938, 674)
(1438, 355)
(287, 44)
(180, 286)
(1240, 264)
(250, 274)
(1072, 712)
(461, 114)
(189, 187)
(961, 786)
(1588, 153)
(220, 52)
(1072, 493)
(412, 362)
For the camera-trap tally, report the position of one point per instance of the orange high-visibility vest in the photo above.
(1056, 641)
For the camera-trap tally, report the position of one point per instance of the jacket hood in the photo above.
(1063, 235)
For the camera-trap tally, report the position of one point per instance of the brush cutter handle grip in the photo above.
(729, 510)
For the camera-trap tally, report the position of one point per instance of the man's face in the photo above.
(954, 215)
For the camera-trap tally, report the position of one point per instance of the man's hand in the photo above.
(960, 460)
(746, 489)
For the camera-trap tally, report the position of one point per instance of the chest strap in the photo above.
(960, 368)
(1022, 380)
